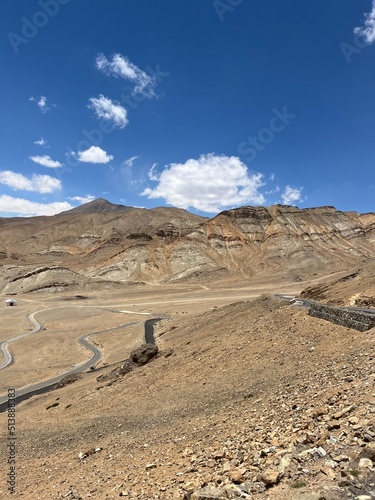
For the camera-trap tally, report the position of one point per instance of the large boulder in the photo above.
(143, 354)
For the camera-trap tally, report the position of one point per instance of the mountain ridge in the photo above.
(101, 241)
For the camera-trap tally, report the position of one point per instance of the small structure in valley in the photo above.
(11, 302)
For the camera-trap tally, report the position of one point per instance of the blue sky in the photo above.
(200, 104)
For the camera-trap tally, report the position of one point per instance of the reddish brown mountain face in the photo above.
(101, 244)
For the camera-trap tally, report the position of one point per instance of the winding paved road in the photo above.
(44, 386)
(47, 385)
(149, 330)
(4, 349)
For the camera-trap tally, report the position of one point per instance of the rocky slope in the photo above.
(111, 243)
(355, 288)
(252, 400)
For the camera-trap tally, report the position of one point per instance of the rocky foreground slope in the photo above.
(103, 245)
(252, 400)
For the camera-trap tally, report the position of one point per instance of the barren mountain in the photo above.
(104, 243)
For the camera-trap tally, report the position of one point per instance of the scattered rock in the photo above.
(270, 477)
(150, 466)
(365, 463)
(209, 493)
(127, 367)
(343, 412)
(91, 451)
(236, 476)
(368, 451)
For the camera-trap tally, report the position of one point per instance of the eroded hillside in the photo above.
(104, 243)
(355, 288)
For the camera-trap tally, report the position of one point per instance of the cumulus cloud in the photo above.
(46, 161)
(42, 103)
(209, 184)
(368, 31)
(120, 67)
(93, 155)
(108, 110)
(20, 206)
(83, 199)
(291, 195)
(36, 183)
(41, 142)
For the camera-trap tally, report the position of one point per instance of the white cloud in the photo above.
(368, 32)
(42, 103)
(83, 199)
(20, 206)
(42, 142)
(46, 161)
(273, 190)
(120, 66)
(152, 173)
(291, 195)
(210, 184)
(129, 162)
(37, 183)
(106, 109)
(93, 155)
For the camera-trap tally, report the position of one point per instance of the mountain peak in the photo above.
(98, 206)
